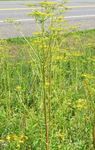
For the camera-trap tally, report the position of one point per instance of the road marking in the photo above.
(16, 20)
(5, 9)
(80, 16)
(66, 17)
(1, 21)
(33, 8)
(84, 6)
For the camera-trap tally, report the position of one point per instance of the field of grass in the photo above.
(70, 89)
(47, 86)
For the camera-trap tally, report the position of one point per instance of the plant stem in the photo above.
(45, 110)
(44, 92)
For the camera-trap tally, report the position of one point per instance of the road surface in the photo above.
(82, 13)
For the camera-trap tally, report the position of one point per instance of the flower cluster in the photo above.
(13, 137)
(40, 16)
(48, 4)
(81, 104)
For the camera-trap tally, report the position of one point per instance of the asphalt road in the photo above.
(82, 14)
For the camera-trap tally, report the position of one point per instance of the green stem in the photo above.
(44, 93)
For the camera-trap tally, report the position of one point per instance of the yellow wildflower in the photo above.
(58, 58)
(47, 84)
(43, 46)
(61, 135)
(60, 19)
(14, 137)
(40, 14)
(48, 4)
(76, 54)
(22, 138)
(88, 76)
(81, 103)
(8, 137)
(18, 88)
(21, 141)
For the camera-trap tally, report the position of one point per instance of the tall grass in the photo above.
(47, 87)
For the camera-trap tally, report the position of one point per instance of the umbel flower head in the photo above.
(49, 4)
(40, 16)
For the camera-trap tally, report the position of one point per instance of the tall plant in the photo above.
(51, 29)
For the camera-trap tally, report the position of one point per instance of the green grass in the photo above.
(47, 86)
(72, 94)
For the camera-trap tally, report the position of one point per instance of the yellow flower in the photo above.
(14, 137)
(88, 76)
(22, 138)
(8, 137)
(18, 139)
(43, 46)
(61, 136)
(18, 88)
(76, 54)
(40, 14)
(21, 141)
(47, 84)
(60, 19)
(58, 58)
(81, 103)
(48, 4)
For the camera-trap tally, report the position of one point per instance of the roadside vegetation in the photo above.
(47, 86)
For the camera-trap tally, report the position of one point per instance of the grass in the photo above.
(72, 94)
(47, 86)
